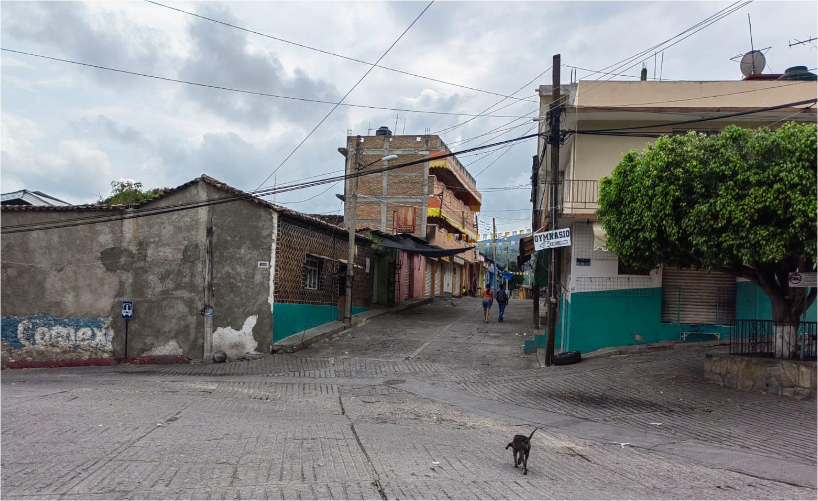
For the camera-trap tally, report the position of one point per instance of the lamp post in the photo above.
(353, 202)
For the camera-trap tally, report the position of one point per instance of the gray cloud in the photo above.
(224, 57)
(71, 30)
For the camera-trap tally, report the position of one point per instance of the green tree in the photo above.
(128, 193)
(742, 202)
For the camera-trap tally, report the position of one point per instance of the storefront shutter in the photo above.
(698, 297)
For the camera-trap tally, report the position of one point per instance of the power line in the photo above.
(248, 92)
(347, 94)
(135, 213)
(304, 46)
(699, 120)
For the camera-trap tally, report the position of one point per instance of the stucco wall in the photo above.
(62, 283)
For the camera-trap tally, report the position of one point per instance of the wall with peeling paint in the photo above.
(62, 287)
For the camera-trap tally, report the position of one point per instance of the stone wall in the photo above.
(790, 378)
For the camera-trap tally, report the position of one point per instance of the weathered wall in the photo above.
(62, 288)
(790, 378)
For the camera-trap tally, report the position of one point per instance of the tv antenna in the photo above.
(753, 62)
(799, 42)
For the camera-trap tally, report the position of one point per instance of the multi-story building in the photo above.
(603, 303)
(436, 200)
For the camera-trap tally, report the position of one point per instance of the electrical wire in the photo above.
(304, 46)
(347, 94)
(248, 92)
(137, 212)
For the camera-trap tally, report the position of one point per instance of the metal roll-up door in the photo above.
(427, 286)
(449, 273)
(440, 278)
(409, 265)
(698, 297)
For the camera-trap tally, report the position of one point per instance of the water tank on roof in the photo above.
(383, 131)
(798, 73)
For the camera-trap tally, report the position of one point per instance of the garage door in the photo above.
(458, 274)
(408, 274)
(698, 297)
(447, 286)
(427, 287)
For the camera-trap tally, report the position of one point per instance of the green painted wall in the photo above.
(290, 319)
(752, 303)
(614, 318)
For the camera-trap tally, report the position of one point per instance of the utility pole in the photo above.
(494, 246)
(554, 140)
(535, 224)
(353, 199)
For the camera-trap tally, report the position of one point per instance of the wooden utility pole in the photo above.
(351, 215)
(494, 246)
(535, 224)
(553, 203)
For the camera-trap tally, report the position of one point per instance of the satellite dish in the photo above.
(753, 63)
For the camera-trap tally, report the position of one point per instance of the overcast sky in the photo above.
(69, 130)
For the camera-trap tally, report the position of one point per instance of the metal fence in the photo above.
(758, 337)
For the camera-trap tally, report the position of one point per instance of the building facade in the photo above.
(603, 303)
(435, 200)
(231, 276)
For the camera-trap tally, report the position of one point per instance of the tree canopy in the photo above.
(742, 202)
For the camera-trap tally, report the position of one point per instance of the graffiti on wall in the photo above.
(42, 337)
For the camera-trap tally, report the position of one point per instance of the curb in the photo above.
(650, 348)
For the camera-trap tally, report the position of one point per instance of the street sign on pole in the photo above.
(127, 310)
(801, 279)
(552, 239)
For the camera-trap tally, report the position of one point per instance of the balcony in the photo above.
(454, 215)
(452, 173)
(580, 197)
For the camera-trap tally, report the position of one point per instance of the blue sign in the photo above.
(127, 310)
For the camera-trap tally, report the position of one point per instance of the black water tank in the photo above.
(798, 73)
(383, 131)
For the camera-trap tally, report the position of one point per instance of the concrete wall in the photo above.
(62, 288)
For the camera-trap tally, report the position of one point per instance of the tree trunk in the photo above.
(786, 318)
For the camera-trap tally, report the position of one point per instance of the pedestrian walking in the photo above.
(488, 297)
(502, 301)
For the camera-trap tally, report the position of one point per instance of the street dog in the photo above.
(521, 446)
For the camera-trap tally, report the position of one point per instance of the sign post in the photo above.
(127, 314)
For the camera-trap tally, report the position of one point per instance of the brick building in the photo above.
(436, 200)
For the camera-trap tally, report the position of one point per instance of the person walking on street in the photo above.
(488, 297)
(502, 301)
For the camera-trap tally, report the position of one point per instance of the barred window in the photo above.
(312, 272)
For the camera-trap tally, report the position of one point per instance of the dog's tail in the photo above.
(509, 445)
(532, 433)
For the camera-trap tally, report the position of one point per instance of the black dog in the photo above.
(521, 446)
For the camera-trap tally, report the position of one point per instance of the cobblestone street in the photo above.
(416, 405)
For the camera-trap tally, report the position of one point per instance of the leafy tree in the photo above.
(742, 202)
(128, 193)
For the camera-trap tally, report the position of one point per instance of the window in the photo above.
(312, 273)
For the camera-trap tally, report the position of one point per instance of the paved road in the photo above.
(415, 405)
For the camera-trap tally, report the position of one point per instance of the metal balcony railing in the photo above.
(576, 196)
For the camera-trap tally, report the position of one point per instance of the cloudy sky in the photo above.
(69, 130)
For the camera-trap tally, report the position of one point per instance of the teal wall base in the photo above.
(614, 318)
(752, 303)
(290, 319)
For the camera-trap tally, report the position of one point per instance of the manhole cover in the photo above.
(394, 381)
